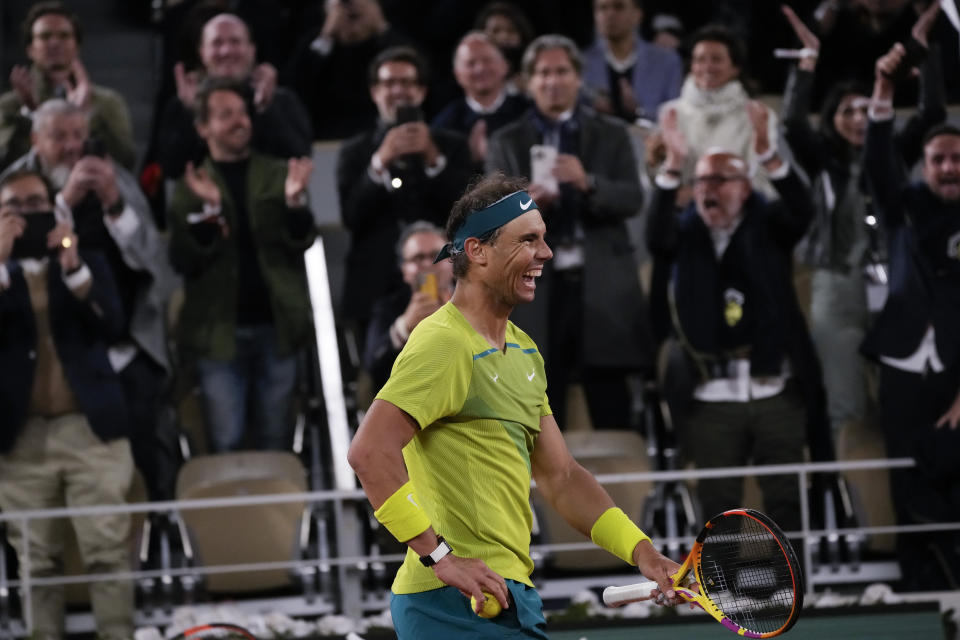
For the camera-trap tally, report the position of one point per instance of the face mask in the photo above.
(33, 242)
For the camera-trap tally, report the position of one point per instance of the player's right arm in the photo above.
(376, 456)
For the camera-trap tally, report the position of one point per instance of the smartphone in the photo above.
(543, 158)
(916, 53)
(428, 284)
(94, 147)
(409, 113)
(32, 243)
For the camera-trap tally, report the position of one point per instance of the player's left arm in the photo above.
(586, 505)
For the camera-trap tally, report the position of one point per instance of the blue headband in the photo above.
(482, 222)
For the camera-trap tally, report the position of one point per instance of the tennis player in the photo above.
(448, 448)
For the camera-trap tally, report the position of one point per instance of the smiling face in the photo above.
(554, 83)
(711, 65)
(479, 67)
(227, 129)
(941, 166)
(850, 119)
(516, 258)
(720, 188)
(397, 85)
(226, 49)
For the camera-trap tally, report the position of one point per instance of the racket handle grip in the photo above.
(618, 596)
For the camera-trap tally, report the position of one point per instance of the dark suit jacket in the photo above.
(615, 322)
(379, 352)
(82, 331)
(375, 215)
(924, 254)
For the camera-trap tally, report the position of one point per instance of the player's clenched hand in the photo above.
(656, 566)
(472, 576)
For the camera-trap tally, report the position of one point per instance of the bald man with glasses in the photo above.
(734, 310)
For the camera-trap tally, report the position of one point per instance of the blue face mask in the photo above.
(482, 222)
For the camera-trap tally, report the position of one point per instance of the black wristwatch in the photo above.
(435, 556)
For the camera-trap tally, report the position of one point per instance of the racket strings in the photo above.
(745, 572)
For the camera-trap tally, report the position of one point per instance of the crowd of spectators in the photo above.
(425, 97)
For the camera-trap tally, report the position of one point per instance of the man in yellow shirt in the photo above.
(448, 448)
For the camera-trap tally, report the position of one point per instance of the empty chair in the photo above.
(244, 534)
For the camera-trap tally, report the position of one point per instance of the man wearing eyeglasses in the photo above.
(65, 419)
(390, 176)
(426, 286)
(735, 312)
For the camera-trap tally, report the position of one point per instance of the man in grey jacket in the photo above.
(592, 321)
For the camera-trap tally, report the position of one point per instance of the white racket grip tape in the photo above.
(618, 596)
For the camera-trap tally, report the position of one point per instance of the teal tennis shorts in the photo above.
(444, 613)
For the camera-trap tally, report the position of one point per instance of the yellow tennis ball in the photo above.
(491, 606)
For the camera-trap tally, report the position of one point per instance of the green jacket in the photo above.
(208, 318)
(109, 122)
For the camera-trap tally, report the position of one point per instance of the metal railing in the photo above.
(349, 504)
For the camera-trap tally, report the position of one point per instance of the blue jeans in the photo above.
(257, 378)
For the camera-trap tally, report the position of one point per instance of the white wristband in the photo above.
(767, 155)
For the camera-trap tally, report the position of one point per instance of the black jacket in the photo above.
(924, 235)
(82, 330)
(375, 214)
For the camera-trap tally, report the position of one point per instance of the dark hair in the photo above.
(41, 9)
(399, 54)
(510, 12)
(201, 107)
(482, 192)
(942, 129)
(831, 103)
(723, 35)
(20, 174)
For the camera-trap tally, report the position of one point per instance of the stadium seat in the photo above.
(247, 534)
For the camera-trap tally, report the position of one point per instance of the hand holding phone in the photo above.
(543, 159)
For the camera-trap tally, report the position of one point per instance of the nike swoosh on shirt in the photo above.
(412, 501)
(495, 377)
(525, 206)
(531, 375)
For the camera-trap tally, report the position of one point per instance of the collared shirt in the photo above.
(476, 107)
(620, 65)
(551, 137)
(923, 359)
(740, 386)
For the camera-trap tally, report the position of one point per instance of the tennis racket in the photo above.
(748, 575)
(215, 630)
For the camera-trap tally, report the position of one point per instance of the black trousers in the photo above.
(143, 383)
(606, 389)
(911, 404)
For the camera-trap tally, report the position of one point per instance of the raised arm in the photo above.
(804, 141)
(661, 232)
(932, 102)
(885, 172)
